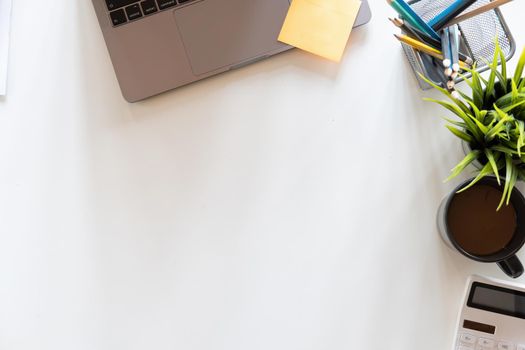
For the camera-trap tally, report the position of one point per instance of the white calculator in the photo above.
(492, 316)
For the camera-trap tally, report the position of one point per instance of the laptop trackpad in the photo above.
(220, 33)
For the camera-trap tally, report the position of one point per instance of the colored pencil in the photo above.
(480, 10)
(414, 33)
(458, 6)
(412, 18)
(418, 45)
(445, 48)
(454, 47)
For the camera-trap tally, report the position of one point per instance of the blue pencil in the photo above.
(454, 47)
(458, 6)
(413, 18)
(445, 49)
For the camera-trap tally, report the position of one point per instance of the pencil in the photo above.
(418, 45)
(445, 48)
(413, 18)
(480, 10)
(454, 47)
(414, 33)
(458, 6)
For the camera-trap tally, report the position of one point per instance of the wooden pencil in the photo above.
(480, 10)
(414, 33)
(412, 17)
(445, 48)
(425, 48)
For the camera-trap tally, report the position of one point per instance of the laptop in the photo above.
(159, 45)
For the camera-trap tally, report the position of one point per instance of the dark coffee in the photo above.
(476, 225)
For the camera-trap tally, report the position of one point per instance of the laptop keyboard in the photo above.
(125, 11)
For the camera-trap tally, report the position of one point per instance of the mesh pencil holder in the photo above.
(477, 40)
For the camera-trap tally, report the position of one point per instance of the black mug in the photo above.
(505, 257)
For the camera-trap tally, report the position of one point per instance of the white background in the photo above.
(287, 205)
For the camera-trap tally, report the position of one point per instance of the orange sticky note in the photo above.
(320, 27)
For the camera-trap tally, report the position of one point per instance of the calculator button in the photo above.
(505, 346)
(486, 343)
(467, 338)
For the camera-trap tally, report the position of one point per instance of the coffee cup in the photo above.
(470, 224)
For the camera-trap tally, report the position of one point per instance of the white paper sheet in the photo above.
(5, 19)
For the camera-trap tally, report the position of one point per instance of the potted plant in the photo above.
(491, 122)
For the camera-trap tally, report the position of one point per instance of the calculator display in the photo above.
(497, 299)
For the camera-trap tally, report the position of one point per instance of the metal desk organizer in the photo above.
(478, 36)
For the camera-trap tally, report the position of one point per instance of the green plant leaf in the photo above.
(456, 123)
(475, 84)
(510, 180)
(483, 116)
(519, 68)
(479, 118)
(512, 144)
(521, 134)
(503, 76)
(446, 93)
(484, 129)
(507, 98)
(489, 91)
(469, 158)
(476, 80)
(493, 164)
(462, 135)
(450, 106)
(499, 114)
(511, 107)
(477, 95)
(492, 161)
(504, 149)
(521, 85)
(437, 87)
(486, 170)
(465, 96)
(475, 109)
(514, 92)
(499, 127)
(482, 80)
(471, 126)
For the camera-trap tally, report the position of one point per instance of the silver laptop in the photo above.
(158, 45)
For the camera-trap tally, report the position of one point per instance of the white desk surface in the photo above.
(287, 205)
